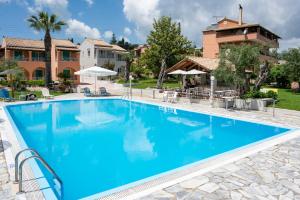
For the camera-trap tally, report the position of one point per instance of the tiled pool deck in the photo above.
(273, 173)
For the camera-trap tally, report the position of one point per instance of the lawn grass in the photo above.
(151, 83)
(288, 99)
(37, 93)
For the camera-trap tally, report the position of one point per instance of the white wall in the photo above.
(89, 61)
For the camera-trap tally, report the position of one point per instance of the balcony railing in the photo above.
(69, 59)
(39, 59)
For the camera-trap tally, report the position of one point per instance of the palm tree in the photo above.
(46, 23)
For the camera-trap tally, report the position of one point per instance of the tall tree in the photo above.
(236, 63)
(113, 39)
(48, 24)
(167, 42)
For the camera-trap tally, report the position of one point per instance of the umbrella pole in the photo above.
(95, 84)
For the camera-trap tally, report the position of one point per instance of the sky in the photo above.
(133, 19)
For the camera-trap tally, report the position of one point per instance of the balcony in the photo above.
(70, 59)
(256, 37)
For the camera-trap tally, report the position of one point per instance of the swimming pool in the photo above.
(99, 145)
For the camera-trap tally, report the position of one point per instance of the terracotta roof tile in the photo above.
(35, 44)
(98, 42)
(207, 64)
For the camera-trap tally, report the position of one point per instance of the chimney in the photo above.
(241, 15)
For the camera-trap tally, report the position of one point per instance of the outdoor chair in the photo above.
(173, 98)
(103, 92)
(4, 95)
(46, 94)
(87, 92)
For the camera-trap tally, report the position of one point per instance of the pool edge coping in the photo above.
(142, 189)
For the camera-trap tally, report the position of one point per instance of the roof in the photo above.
(215, 27)
(98, 42)
(118, 48)
(191, 62)
(20, 43)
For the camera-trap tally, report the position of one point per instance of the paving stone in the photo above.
(194, 183)
(209, 187)
(291, 186)
(235, 195)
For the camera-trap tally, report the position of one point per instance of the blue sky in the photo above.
(106, 16)
(132, 19)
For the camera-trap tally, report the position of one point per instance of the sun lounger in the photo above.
(103, 92)
(87, 92)
(46, 94)
(4, 95)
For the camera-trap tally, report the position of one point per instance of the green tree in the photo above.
(129, 58)
(13, 72)
(166, 42)
(278, 74)
(236, 63)
(292, 66)
(48, 24)
(113, 39)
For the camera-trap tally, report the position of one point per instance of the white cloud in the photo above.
(127, 31)
(79, 29)
(108, 35)
(89, 2)
(123, 37)
(59, 7)
(279, 16)
(141, 13)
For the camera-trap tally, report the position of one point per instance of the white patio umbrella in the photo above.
(96, 72)
(195, 72)
(179, 71)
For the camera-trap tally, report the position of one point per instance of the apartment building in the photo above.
(30, 55)
(229, 31)
(95, 52)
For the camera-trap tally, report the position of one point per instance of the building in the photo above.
(228, 31)
(138, 51)
(30, 55)
(95, 52)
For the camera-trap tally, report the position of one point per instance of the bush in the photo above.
(34, 83)
(259, 95)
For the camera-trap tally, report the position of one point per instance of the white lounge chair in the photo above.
(46, 94)
(173, 98)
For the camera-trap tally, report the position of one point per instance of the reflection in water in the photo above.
(136, 142)
(185, 121)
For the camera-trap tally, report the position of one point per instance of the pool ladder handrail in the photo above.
(19, 168)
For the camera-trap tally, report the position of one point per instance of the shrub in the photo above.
(34, 83)
(259, 95)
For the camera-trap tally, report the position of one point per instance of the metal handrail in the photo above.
(19, 169)
(46, 166)
(17, 160)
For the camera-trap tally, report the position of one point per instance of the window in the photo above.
(67, 72)
(38, 74)
(110, 54)
(38, 56)
(89, 52)
(66, 55)
(101, 54)
(95, 53)
(120, 57)
(18, 55)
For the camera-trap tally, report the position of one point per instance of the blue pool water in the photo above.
(97, 145)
